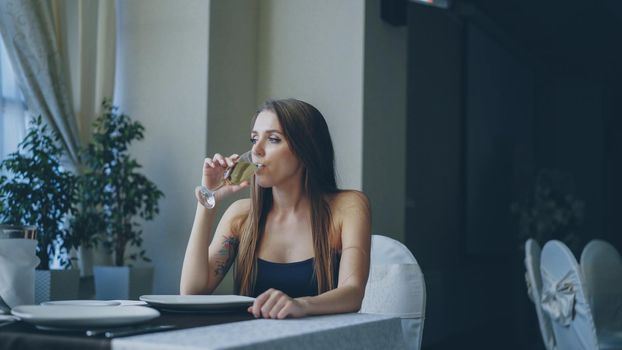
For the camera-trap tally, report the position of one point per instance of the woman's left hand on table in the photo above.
(275, 304)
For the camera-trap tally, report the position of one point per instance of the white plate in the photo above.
(74, 316)
(7, 318)
(83, 302)
(198, 302)
(130, 302)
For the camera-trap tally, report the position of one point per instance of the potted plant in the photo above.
(87, 222)
(124, 195)
(38, 191)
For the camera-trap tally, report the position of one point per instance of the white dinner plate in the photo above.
(130, 302)
(82, 317)
(198, 302)
(83, 302)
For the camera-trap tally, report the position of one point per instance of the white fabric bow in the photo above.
(558, 297)
(530, 291)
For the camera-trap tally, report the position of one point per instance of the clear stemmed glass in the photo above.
(241, 171)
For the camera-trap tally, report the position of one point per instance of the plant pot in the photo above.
(85, 261)
(56, 285)
(122, 282)
(89, 257)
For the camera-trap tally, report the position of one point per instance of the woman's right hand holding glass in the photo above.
(213, 186)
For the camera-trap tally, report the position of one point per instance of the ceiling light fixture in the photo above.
(444, 4)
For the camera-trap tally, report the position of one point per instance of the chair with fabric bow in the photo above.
(534, 289)
(601, 265)
(396, 287)
(564, 299)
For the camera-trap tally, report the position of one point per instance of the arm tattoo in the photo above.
(227, 253)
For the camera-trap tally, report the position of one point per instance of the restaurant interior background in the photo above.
(443, 116)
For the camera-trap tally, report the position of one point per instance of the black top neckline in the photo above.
(289, 263)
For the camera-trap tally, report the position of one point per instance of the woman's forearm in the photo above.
(340, 300)
(195, 271)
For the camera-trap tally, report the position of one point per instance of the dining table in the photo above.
(223, 330)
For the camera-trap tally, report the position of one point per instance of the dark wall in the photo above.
(499, 98)
(612, 185)
(449, 153)
(471, 145)
(485, 114)
(434, 153)
(434, 141)
(571, 138)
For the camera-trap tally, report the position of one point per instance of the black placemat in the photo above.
(23, 336)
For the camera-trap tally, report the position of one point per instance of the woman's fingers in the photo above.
(214, 170)
(231, 160)
(278, 306)
(219, 159)
(258, 303)
(209, 163)
(286, 310)
(269, 303)
(219, 163)
(275, 295)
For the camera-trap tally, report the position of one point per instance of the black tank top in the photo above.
(294, 279)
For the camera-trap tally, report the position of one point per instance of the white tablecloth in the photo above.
(346, 331)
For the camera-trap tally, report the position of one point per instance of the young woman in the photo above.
(300, 245)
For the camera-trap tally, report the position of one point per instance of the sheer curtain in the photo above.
(29, 35)
(63, 55)
(87, 42)
(13, 111)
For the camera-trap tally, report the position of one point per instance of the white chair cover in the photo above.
(17, 272)
(396, 287)
(601, 265)
(534, 289)
(564, 300)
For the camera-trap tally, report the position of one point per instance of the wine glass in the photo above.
(241, 171)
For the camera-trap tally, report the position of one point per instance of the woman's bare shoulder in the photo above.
(239, 207)
(347, 204)
(347, 201)
(235, 216)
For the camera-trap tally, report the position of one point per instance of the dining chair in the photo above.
(601, 265)
(534, 290)
(564, 299)
(396, 287)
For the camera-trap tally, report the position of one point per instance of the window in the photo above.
(13, 110)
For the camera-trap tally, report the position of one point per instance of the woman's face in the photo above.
(277, 163)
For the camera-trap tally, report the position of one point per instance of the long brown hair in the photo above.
(306, 131)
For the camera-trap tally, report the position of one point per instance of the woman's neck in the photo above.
(289, 198)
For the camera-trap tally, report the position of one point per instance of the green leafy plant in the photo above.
(2, 181)
(87, 223)
(550, 211)
(116, 186)
(38, 191)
